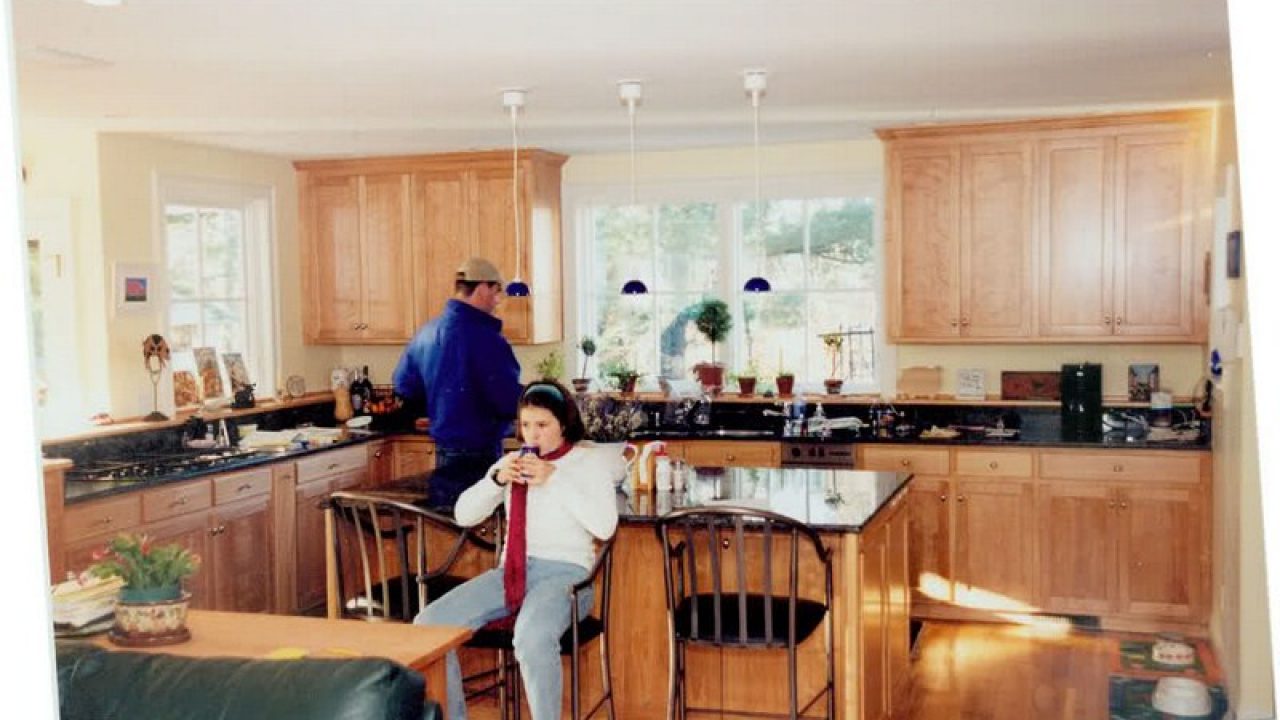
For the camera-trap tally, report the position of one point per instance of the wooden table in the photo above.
(254, 635)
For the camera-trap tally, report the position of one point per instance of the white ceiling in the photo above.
(325, 78)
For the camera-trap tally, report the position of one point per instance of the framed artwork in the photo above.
(1234, 239)
(1144, 379)
(185, 390)
(134, 287)
(207, 369)
(971, 383)
(1030, 385)
(236, 372)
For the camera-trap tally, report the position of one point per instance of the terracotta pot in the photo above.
(711, 375)
(785, 384)
(627, 384)
(833, 385)
(581, 385)
(746, 386)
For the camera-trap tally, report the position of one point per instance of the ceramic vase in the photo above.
(155, 616)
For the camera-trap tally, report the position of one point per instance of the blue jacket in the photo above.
(464, 370)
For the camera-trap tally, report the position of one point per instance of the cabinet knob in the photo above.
(905, 462)
(954, 322)
(377, 453)
(1119, 319)
(1117, 468)
(960, 498)
(993, 464)
(103, 520)
(1124, 505)
(964, 321)
(179, 502)
(1106, 319)
(942, 497)
(725, 543)
(1111, 504)
(730, 458)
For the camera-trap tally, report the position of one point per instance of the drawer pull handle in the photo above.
(103, 521)
(334, 466)
(993, 464)
(906, 462)
(246, 486)
(1117, 468)
(179, 502)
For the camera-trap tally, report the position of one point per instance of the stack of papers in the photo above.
(82, 600)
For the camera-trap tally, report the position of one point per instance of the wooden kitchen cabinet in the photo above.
(422, 216)
(959, 260)
(1112, 211)
(317, 476)
(356, 271)
(994, 562)
(381, 462)
(726, 453)
(414, 457)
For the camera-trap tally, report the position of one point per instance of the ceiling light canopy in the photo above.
(513, 101)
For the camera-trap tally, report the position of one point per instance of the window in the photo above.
(819, 255)
(217, 250)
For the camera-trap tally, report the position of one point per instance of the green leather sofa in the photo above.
(98, 684)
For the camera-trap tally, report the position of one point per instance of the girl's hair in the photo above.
(554, 398)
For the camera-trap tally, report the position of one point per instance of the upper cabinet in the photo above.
(380, 256)
(1068, 230)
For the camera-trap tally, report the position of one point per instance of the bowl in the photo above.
(1181, 696)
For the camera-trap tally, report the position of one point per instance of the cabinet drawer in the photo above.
(993, 463)
(174, 500)
(102, 516)
(239, 486)
(1121, 466)
(333, 462)
(744, 454)
(926, 461)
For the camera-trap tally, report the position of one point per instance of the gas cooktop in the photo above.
(139, 468)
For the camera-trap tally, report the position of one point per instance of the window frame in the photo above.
(262, 306)
(727, 193)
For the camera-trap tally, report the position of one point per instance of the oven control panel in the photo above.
(818, 454)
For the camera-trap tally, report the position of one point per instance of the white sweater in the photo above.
(576, 505)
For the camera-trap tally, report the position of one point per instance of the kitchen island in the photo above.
(862, 517)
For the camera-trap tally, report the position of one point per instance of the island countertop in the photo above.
(824, 498)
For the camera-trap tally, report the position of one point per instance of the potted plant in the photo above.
(747, 380)
(833, 342)
(152, 609)
(550, 367)
(623, 374)
(588, 348)
(714, 322)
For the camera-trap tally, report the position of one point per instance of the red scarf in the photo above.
(513, 576)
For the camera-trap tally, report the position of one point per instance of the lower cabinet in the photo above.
(413, 456)
(317, 476)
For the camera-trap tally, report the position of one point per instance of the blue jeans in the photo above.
(543, 618)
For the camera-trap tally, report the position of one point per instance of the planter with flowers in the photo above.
(152, 609)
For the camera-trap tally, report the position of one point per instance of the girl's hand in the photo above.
(508, 469)
(534, 470)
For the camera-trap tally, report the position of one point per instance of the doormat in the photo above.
(1130, 699)
(1132, 657)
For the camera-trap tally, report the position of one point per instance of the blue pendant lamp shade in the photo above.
(513, 101)
(629, 93)
(754, 83)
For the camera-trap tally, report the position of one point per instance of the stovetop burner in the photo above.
(143, 467)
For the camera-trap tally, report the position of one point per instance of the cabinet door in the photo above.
(332, 259)
(732, 453)
(309, 542)
(924, 245)
(931, 501)
(995, 240)
(495, 225)
(1077, 565)
(1154, 264)
(994, 545)
(414, 458)
(1159, 552)
(1075, 238)
(241, 556)
(441, 238)
(898, 608)
(193, 532)
(387, 312)
(382, 463)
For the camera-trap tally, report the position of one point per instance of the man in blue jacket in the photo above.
(461, 368)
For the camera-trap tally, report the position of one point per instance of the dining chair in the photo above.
(724, 589)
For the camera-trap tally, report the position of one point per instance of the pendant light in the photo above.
(629, 93)
(513, 101)
(754, 83)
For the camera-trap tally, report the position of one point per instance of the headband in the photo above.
(539, 388)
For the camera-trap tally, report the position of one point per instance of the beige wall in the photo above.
(129, 165)
(1241, 615)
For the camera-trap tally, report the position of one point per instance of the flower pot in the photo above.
(833, 385)
(785, 384)
(581, 385)
(711, 375)
(627, 384)
(746, 386)
(158, 622)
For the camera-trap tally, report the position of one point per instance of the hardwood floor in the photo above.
(982, 671)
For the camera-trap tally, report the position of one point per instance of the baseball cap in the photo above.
(479, 270)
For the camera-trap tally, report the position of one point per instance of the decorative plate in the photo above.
(295, 386)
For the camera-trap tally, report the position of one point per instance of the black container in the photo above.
(1082, 402)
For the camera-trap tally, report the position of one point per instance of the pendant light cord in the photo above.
(755, 109)
(515, 187)
(631, 112)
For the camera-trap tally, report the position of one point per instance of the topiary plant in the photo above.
(714, 322)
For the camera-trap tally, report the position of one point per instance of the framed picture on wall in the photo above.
(134, 287)
(1144, 379)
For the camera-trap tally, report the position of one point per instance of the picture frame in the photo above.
(1235, 239)
(1144, 379)
(134, 287)
(207, 371)
(971, 384)
(236, 371)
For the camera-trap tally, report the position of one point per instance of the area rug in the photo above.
(1130, 699)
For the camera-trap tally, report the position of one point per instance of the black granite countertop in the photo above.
(78, 491)
(831, 500)
(1027, 437)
